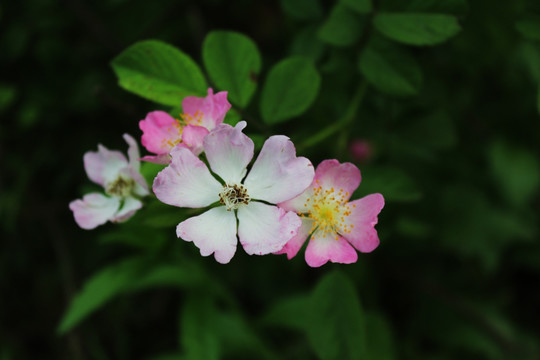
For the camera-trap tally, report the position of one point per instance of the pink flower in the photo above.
(121, 180)
(162, 132)
(333, 222)
(243, 202)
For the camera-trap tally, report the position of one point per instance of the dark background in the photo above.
(458, 269)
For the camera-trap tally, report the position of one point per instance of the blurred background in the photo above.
(452, 147)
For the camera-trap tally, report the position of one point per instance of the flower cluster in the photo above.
(273, 208)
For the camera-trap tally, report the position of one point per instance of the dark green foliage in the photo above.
(445, 93)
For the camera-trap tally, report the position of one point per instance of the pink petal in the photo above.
(212, 232)
(186, 182)
(278, 175)
(229, 151)
(128, 209)
(265, 229)
(332, 174)
(133, 153)
(104, 165)
(93, 210)
(363, 218)
(293, 246)
(193, 137)
(334, 248)
(162, 159)
(160, 132)
(300, 203)
(213, 108)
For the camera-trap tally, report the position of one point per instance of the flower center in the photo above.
(329, 209)
(232, 196)
(120, 187)
(178, 128)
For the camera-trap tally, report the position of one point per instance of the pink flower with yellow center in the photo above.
(337, 227)
(122, 182)
(243, 204)
(162, 132)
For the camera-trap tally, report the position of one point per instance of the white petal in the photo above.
(128, 209)
(94, 209)
(104, 165)
(186, 182)
(265, 229)
(277, 174)
(228, 151)
(133, 153)
(212, 232)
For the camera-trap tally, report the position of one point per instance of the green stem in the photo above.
(342, 123)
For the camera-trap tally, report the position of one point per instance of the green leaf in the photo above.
(336, 325)
(516, 171)
(343, 26)
(291, 312)
(529, 28)
(361, 6)
(199, 339)
(392, 183)
(8, 94)
(132, 274)
(289, 90)
(302, 9)
(379, 340)
(417, 28)
(159, 72)
(390, 69)
(456, 7)
(233, 62)
(307, 44)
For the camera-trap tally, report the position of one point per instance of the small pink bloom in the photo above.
(337, 226)
(162, 132)
(122, 181)
(277, 175)
(361, 150)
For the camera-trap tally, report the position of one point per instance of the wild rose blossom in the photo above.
(277, 175)
(122, 182)
(162, 132)
(337, 226)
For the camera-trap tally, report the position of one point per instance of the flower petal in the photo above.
(322, 248)
(103, 166)
(162, 159)
(300, 203)
(133, 153)
(213, 108)
(193, 137)
(361, 222)
(128, 209)
(292, 247)
(278, 175)
(94, 209)
(186, 182)
(331, 174)
(213, 231)
(264, 229)
(229, 151)
(160, 132)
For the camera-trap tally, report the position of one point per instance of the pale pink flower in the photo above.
(121, 181)
(243, 202)
(333, 222)
(162, 132)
